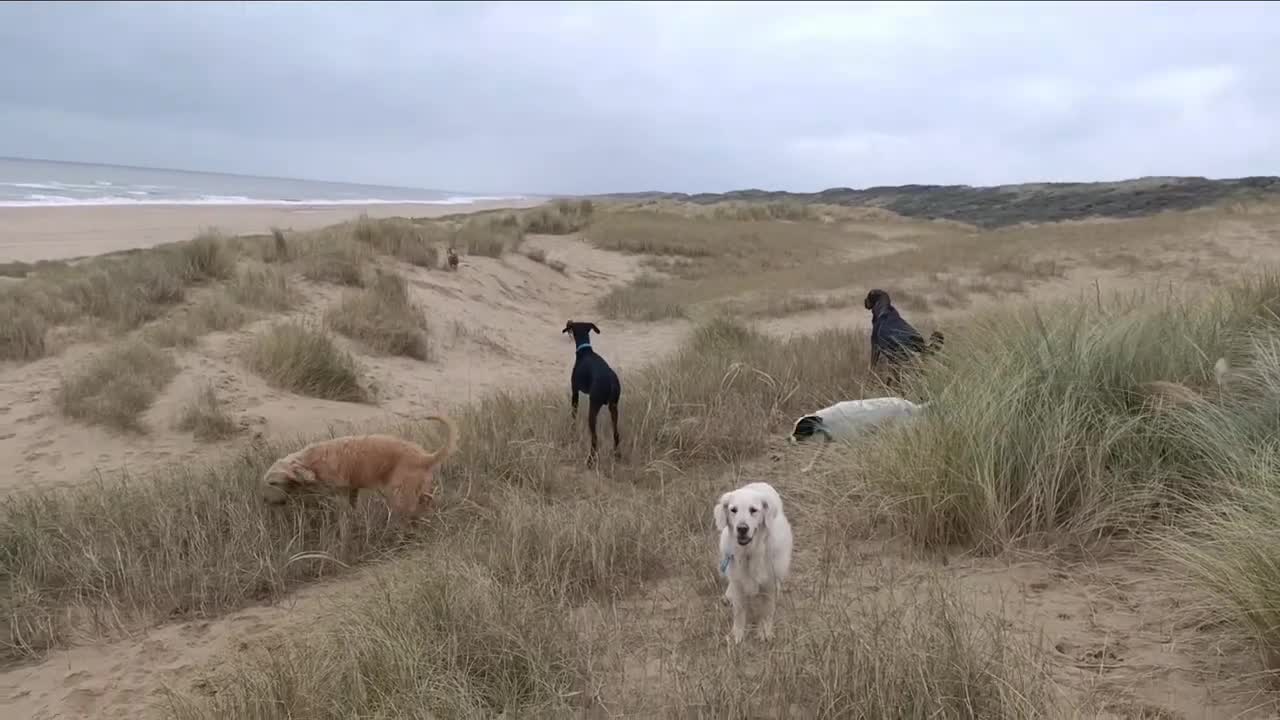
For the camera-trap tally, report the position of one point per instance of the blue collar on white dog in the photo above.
(724, 563)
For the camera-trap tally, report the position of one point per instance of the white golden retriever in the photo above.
(755, 552)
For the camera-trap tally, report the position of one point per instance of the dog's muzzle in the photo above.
(273, 494)
(744, 536)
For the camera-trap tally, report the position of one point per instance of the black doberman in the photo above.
(593, 376)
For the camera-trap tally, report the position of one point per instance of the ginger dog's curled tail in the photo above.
(1221, 372)
(450, 441)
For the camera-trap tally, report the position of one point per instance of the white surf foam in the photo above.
(43, 200)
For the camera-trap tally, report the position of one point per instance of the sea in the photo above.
(45, 183)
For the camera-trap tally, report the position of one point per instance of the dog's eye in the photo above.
(733, 510)
(753, 511)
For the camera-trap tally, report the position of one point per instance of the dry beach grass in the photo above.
(538, 588)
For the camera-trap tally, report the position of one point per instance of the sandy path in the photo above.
(38, 233)
(126, 678)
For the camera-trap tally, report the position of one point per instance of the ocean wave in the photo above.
(43, 200)
(51, 185)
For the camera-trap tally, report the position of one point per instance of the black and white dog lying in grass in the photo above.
(849, 419)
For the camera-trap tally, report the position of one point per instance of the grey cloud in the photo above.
(575, 97)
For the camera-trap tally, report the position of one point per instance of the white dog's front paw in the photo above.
(738, 635)
(766, 631)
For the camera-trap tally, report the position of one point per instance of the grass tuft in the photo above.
(560, 217)
(209, 256)
(1225, 453)
(263, 287)
(334, 260)
(115, 387)
(644, 299)
(279, 251)
(912, 650)
(215, 311)
(218, 312)
(446, 641)
(487, 237)
(301, 358)
(398, 238)
(176, 331)
(22, 332)
(384, 318)
(204, 417)
(1085, 458)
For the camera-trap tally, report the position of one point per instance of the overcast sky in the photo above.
(578, 97)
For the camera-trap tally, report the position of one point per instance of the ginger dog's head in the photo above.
(283, 478)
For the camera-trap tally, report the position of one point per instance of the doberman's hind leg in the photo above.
(592, 414)
(613, 422)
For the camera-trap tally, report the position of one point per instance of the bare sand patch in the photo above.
(40, 233)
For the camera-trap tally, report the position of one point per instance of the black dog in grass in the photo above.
(893, 339)
(593, 376)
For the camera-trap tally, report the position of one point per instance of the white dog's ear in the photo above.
(770, 513)
(720, 511)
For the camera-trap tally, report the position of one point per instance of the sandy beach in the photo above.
(29, 234)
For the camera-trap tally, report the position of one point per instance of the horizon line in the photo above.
(244, 175)
(641, 192)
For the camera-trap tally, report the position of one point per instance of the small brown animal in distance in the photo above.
(453, 259)
(401, 470)
(1164, 393)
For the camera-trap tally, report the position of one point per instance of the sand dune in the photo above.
(496, 326)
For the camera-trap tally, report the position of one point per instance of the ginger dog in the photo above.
(1165, 394)
(401, 470)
